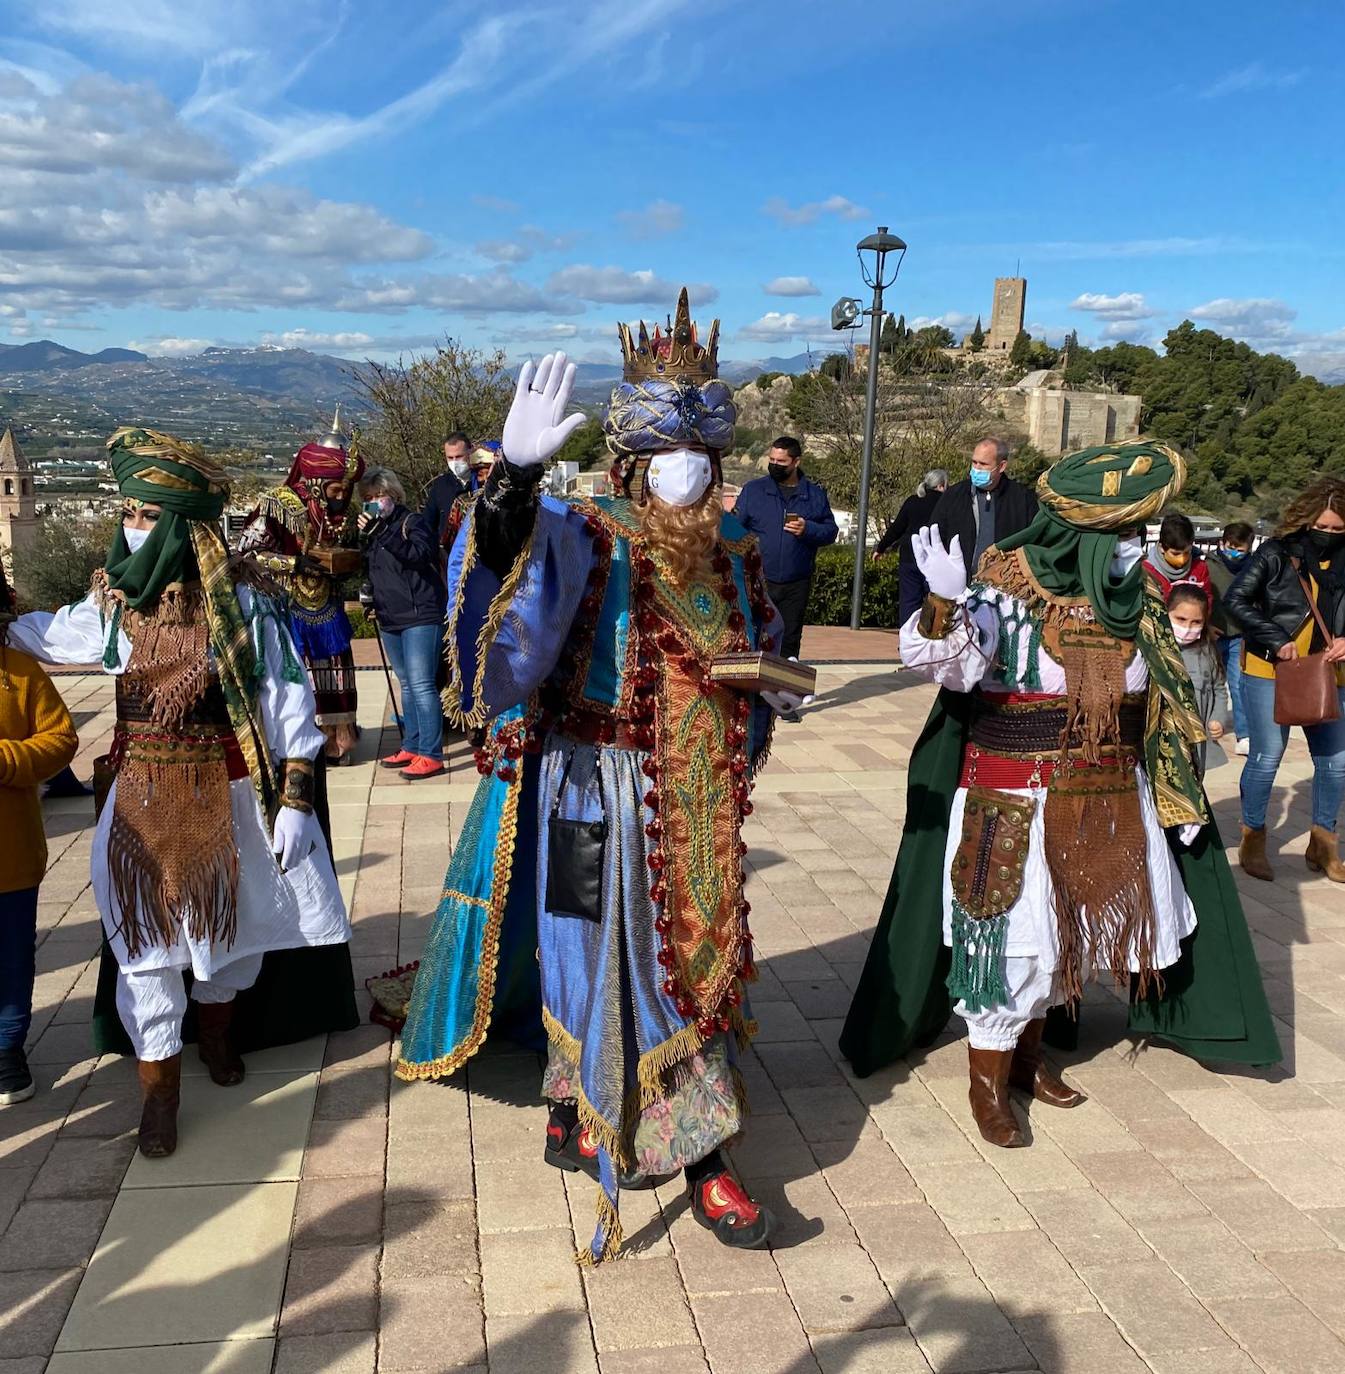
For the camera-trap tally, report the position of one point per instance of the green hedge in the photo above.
(833, 581)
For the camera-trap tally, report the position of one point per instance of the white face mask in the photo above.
(679, 477)
(1128, 553)
(458, 467)
(135, 538)
(1188, 634)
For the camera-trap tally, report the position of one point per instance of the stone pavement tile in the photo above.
(1126, 1094)
(971, 1198)
(676, 1359)
(503, 1134)
(755, 1333)
(527, 1344)
(354, 1145)
(521, 1195)
(642, 1221)
(799, 1064)
(1191, 1154)
(251, 1133)
(1168, 1069)
(909, 1246)
(709, 1268)
(1231, 1117)
(1087, 1129)
(530, 1271)
(108, 1103)
(84, 1168)
(774, 1148)
(13, 1186)
(431, 1324)
(429, 1238)
(781, 1021)
(836, 1289)
(923, 1134)
(33, 1307)
(56, 1233)
(1025, 1273)
(1042, 1165)
(960, 1330)
(866, 1173)
(1330, 1219)
(762, 1095)
(66, 1044)
(1297, 1171)
(826, 1113)
(1139, 1186)
(341, 1352)
(1078, 1343)
(1316, 1279)
(1212, 1262)
(886, 1350)
(425, 1164)
(352, 1092)
(31, 1127)
(338, 1211)
(182, 1264)
(1260, 1218)
(806, 1212)
(820, 998)
(1130, 1296)
(331, 1289)
(1225, 1359)
(207, 1357)
(1085, 1228)
(638, 1306)
(361, 1047)
(25, 1364)
(1282, 1336)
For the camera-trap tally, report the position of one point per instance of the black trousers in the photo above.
(791, 600)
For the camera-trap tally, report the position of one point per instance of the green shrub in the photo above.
(833, 580)
(360, 623)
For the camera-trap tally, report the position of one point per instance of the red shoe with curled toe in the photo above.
(721, 1204)
(572, 1147)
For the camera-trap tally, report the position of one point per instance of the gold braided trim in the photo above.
(610, 1219)
(654, 1065)
(610, 1138)
(490, 627)
(490, 949)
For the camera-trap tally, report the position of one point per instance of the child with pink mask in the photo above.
(1189, 613)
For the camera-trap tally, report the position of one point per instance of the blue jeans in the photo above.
(18, 953)
(414, 655)
(1326, 744)
(1229, 648)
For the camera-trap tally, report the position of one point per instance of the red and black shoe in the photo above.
(572, 1147)
(721, 1204)
(398, 760)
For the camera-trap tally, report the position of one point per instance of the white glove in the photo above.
(944, 569)
(294, 836)
(782, 703)
(1188, 834)
(537, 424)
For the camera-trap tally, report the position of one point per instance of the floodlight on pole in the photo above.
(881, 245)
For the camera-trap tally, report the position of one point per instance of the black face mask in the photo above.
(338, 507)
(779, 472)
(1327, 543)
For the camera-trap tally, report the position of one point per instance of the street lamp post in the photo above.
(844, 316)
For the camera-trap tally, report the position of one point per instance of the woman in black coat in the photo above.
(916, 512)
(1267, 600)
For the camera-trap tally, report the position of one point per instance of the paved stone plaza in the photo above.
(323, 1217)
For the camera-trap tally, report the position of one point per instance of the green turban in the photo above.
(1086, 498)
(157, 469)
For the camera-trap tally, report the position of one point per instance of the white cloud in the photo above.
(1262, 314)
(1128, 305)
(950, 319)
(1129, 330)
(791, 286)
(616, 286)
(496, 203)
(777, 327)
(1255, 76)
(779, 208)
(503, 250)
(529, 241)
(315, 340)
(168, 346)
(658, 218)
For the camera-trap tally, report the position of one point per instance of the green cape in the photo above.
(1213, 1006)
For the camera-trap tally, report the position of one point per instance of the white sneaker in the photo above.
(1243, 747)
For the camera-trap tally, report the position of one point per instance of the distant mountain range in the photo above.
(224, 395)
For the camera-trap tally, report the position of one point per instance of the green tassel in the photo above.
(977, 973)
(1009, 626)
(1033, 679)
(111, 650)
(263, 609)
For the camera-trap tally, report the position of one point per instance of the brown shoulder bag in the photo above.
(1305, 687)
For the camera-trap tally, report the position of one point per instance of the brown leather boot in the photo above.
(1323, 856)
(160, 1082)
(1252, 855)
(1030, 1074)
(990, 1097)
(214, 1045)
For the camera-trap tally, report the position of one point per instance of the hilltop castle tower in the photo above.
(18, 501)
(1006, 313)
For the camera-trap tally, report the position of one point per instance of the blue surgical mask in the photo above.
(1234, 555)
(980, 478)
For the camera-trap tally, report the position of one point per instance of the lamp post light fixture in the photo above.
(845, 314)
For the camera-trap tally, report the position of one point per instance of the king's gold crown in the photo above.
(675, 356)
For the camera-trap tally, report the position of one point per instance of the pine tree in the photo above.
(889, 341)
(903, 334)
(1021, 353)
(977, 338)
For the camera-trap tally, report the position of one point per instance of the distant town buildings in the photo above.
(18, 501)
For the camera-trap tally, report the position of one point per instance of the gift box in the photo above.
(336, 560)
(763, 673)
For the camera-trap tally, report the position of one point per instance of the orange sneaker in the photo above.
(421, 767)
(398, 760)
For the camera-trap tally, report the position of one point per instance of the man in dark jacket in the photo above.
(449, 485)
(791, 518)
(987, 506)
(915, 513)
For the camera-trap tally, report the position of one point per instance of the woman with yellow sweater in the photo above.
(37, 740)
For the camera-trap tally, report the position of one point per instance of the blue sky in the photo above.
(364, 179)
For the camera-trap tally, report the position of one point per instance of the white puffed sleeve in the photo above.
(74, 634)
(961, 660)
(288, 709)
